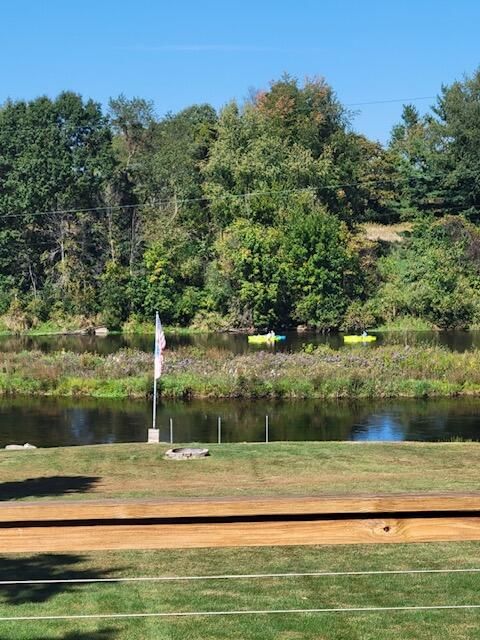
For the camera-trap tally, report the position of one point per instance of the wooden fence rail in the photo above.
(60, 526)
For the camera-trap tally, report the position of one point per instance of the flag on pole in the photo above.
(160, 344)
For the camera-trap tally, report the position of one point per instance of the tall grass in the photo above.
(387, 371)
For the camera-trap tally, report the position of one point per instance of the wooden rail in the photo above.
(58, 526)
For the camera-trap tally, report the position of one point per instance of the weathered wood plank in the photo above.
(40, 539)
(229, 507)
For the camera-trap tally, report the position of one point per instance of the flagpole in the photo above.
(155, 373)
(154, 416)
(153, 433)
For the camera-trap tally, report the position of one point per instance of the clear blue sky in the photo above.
(178, 53)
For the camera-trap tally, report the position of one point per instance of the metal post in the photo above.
(171, 430)
(219, 430)
(266, 428)
(154, 416)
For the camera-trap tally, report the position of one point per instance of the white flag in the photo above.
(160, 344)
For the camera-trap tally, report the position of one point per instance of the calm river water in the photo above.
(48, 422)
(234, 342)
(56, 422)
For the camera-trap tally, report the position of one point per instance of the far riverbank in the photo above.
(191, 372)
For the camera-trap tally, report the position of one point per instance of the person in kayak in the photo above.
(271, 335)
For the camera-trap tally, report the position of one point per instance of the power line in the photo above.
(156, 203)
(97, 127)
(246, 576)
(405, 100)
(240, 612)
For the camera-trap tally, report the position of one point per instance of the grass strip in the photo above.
(286, 593)
(295, 468)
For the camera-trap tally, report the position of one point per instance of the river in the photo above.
(233, 342)
(48, 422)
(51, 422)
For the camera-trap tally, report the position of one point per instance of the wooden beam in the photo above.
(61, 526)
(60, 510)
(245, 534)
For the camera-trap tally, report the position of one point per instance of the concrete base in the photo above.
(153, 436)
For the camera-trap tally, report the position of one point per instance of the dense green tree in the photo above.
(174, 277)
(132, 122)
(307, 115)
(253, 174)
(456, 131)
(114, 295)
(412, 146)
(438, 155)
(55, 155)
(364, 180)
(434, 275)
(170, 176)
(253, 217)
(250, 261)
(321, 266)
(289, 145)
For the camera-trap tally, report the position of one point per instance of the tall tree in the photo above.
(170, 178)
(456, 131)
(55, 155)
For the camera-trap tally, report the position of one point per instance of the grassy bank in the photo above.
(78, 325)
(406, 324)
(389, 371)
(139, 470)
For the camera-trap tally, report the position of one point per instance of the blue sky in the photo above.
(178, 53)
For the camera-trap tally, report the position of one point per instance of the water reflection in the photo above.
(50, 422)
(233, 342)
(378, 428)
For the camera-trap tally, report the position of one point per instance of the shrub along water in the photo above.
(387, 371)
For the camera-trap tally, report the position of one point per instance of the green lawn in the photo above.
(244, 594)
(243, 469)
(139, 470)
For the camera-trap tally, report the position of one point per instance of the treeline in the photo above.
(250, 217)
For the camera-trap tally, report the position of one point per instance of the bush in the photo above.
(359, 316)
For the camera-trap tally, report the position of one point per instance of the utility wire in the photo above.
(90, 129)
(156, 203)
(240, 612)
(247, 576)
(405, 100)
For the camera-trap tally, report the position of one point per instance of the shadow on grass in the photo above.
(102, 634)
(48, 486)
(43, 568)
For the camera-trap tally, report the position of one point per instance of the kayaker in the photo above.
(364, 334)
(271, 335)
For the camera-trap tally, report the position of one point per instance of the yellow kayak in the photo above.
(265, 338)
(351, 339)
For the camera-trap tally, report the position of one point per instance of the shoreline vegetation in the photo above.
(87, 326)
(192, 372)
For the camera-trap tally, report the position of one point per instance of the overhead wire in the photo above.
(390, 101)
(156, 203)
(245, 576)
(60, 126)
(239, 612)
